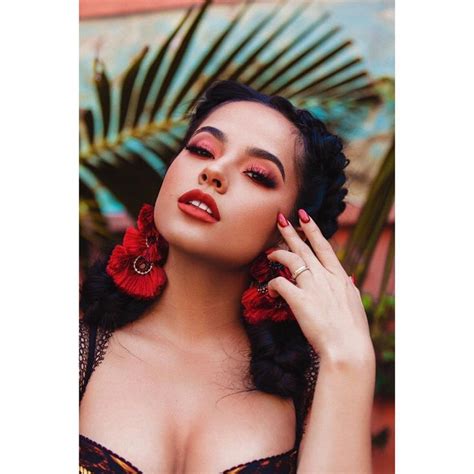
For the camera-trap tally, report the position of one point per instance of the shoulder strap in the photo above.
(93, 341)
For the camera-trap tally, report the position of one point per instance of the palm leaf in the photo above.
(152, 70)
(130, 164)
(221, 69)
(295, 61)
(389, 259)
(93, 228)
(363, 239)
(265, 42)
(198, 70)
(127, 87)
(87, 126)
(177, 60)
(102, 85)
(286, 50)
(311, 67)
(312, 88)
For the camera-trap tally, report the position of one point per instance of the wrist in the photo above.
(337, 358)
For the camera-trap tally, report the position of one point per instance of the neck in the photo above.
(200, 303)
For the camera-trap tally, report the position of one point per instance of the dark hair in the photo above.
(280, 354)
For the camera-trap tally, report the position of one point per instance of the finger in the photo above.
(293, 262)
(320, 245)
(287, 290)
(295, 242)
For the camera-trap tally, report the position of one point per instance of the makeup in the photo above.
(258, 174)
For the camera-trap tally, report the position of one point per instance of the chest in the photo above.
(173, 413)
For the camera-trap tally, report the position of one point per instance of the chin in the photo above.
(200, 243)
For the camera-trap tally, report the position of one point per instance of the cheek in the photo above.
(255, 227)
(173, 176)
(169, 192)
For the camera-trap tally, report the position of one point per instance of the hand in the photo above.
(324, 300)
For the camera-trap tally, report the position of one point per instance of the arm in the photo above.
(329, 311)
(337, 438)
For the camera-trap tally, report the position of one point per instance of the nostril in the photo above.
(218, 183)
(204, 177)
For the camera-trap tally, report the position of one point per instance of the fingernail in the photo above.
(303, 215)
(282, 220)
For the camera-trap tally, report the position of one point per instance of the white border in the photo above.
(434, 238)
(39, 245)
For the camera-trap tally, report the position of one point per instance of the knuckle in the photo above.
(276, 253)
(324, 245)
(307, 252)
(279, 282)
(313, 230)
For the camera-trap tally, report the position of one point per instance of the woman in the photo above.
(205, 330)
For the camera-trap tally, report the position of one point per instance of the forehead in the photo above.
(250, 123)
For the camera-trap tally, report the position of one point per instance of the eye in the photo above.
(197, 150)
(261, 176)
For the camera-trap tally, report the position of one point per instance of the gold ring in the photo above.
(299, 271)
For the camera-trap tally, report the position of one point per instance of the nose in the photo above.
(214, 177)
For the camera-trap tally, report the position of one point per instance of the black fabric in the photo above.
(90, 358)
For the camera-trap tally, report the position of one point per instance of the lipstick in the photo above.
(199, 205)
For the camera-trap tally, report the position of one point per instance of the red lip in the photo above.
(198, 195)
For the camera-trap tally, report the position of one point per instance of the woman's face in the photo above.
(242, 156)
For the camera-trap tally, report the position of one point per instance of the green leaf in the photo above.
(176, 61)
(128, 85)
(281, 52)
(102, 86)
(152, 71)
(221, 69)
(206, 59)
(388, 356)
(87, 129)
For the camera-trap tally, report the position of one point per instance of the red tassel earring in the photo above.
(257, 303)
(134, 266)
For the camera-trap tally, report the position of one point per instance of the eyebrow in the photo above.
(252, 151)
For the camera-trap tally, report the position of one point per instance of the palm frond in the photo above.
(177, 60)
(152, 70)
(363, 239)
(159, 88)
(127, 87)
(102, 85)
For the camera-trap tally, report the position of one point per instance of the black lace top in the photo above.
(97, 459)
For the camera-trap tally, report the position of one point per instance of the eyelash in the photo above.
(261, 176)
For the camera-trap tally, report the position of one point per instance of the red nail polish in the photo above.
(353, 279)
(303, 215)
(282, 220)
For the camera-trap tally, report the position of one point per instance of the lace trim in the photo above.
(102, 343)
(311, 376)
(90, 357)
(83, 353)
